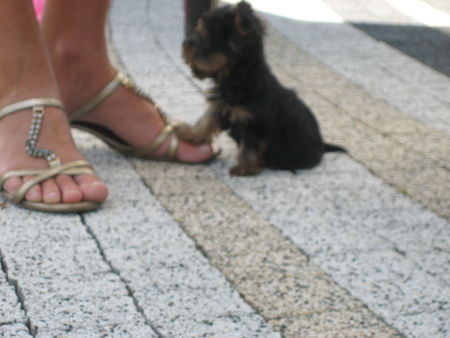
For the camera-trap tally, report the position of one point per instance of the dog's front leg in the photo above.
(202, 132)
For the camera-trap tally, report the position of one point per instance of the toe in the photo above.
(71, 192)
(12, 184)
(92, 189)
(34, 194)
(51, 192)
(190, 153)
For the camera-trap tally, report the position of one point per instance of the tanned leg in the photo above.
(25, 72)
(75, 34)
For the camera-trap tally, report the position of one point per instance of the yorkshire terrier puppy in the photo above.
(273, 128)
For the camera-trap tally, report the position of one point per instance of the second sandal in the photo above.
(115, 141)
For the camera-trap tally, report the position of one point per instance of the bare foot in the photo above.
(129, 116)
(55, 135)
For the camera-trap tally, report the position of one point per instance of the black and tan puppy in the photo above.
(271, 125)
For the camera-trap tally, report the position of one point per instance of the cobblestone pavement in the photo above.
(358, 247)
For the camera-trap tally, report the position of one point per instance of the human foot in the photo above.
(54, 135)
(134, 119)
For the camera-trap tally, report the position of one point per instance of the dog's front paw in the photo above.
(240, 170)
(186, 132)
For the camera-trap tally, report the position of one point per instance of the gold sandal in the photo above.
(56, 168)
(117, 143)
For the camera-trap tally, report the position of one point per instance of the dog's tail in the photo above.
(332, 148)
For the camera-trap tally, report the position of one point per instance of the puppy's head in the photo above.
(222, 37)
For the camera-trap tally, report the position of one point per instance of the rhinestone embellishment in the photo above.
(33, 134)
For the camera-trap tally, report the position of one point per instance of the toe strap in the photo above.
(74, 168)
(165, 134)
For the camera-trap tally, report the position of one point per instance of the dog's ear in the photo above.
(247, 24)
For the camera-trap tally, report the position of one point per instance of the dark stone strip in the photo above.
(425, 44)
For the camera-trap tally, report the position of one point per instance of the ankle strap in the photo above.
(98, 97)
(21, 105)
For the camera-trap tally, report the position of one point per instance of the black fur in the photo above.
(281, 129)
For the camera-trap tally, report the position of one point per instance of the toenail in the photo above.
(53, 196)
(73, 192)
(33, 195)
(205, 148)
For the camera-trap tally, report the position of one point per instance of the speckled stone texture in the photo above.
(341, 204)
(16, 330)
(174, 285)
(10, 310)
(270, 273)
(384, 139)
(60, 274)
(188, 251)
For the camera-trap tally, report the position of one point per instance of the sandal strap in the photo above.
(119, 79)
(173, 147)
(25, 104)
(74, 168)
(122, 80)
(156, 143)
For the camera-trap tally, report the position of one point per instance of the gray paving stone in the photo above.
(266, 269)
(64, 282)
(173, 283)
(384, 79)
(10, 310)
(347, 323)
(16, 330)
(380, 203)
(391, 284)
(435, 324)
(356, 213)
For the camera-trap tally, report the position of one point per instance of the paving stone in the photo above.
(61, 275)
(435, 324)
(225, 326)
(18, 330)
(173, 283)
(350, 38)
(435, 263)
(131, 267)
(333, 323)
(397, 282)
(10, 310)
(276, 274)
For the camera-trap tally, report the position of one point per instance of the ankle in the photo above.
(81, 71)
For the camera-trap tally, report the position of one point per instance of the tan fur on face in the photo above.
(210, 65)
(200, 29)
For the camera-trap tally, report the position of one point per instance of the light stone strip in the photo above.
(270, 272)
(11, 312)
(381, 70)
(17, 330)
(371, 12)
(443, 5)
(181, 294)
(66, 287)
(384, 249)
(405, 153)
(422, 11)
(187, 99)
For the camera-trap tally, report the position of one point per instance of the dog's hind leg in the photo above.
(250, 158)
